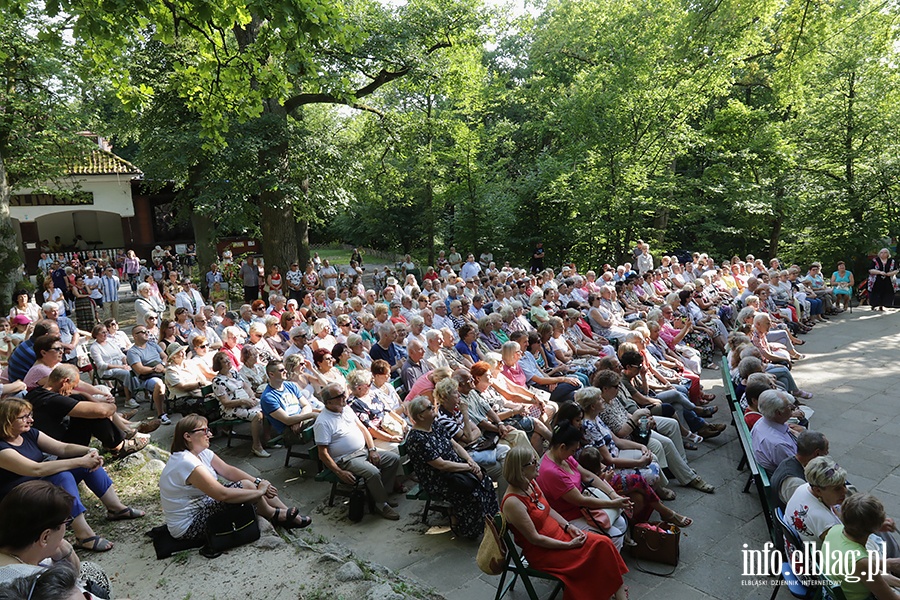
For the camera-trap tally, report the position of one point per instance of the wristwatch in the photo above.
(257, 481)
(371, 449)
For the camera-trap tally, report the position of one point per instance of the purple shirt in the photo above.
(772, 443)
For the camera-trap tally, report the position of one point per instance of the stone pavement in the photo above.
(851, 369)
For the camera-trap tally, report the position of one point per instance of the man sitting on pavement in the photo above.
(75, 419)
(346, 447)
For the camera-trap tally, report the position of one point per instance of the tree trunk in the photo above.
(301, 235)
(10, 261)
(205, 236)
(279, 230)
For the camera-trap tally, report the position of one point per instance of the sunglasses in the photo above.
(205, 430)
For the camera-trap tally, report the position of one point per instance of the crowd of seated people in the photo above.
(594, 375)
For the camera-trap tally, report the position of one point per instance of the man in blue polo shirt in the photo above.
(288, 407)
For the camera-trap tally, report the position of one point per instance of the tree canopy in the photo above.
(735, 126)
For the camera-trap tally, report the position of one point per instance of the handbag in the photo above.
(491, 557)
(599, 518)
(234, 526)
(462, 483)
(657, 542)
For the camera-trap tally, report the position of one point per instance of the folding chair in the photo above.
(518, 566)
(791, 580)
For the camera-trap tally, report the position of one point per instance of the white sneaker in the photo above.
(132, 403)
(165, 420)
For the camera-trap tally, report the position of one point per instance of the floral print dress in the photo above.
(468, 510)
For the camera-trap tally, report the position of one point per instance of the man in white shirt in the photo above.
(470, 269)
(440, 320)
(329, 275)
(346, 447)
(92, 282)
(201, 328)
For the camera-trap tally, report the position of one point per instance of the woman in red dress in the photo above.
(588, 564)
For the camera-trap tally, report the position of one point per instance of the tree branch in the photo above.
(384, 76)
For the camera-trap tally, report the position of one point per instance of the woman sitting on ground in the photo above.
(387, 427)
(22, 451)
(33, 519)
(446, 471)
(238, 400)
(190, 491)
(563, 480)
(588, 564)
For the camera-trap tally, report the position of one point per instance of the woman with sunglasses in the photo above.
(48, 350)
(446, 471)
(191, 493)
(588, 563)
(33, 520)
(22, 451)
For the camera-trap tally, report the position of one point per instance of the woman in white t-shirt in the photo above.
(814, 508)
(190, 491)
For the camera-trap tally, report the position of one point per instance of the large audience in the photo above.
(568, 401)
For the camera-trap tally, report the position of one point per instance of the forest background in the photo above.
(730, 126)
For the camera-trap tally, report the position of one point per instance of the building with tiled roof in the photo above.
(94, 201)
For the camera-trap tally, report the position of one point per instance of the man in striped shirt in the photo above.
(109, 288)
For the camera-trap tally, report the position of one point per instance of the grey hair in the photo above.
(417, 406)
(433, 334)
(771, 402)
(386, 328)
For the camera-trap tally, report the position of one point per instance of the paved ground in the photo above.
(850, 368)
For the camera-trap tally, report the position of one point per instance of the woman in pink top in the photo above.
(424, 385)
(562, 479)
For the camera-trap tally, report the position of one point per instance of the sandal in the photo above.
(708, 397)
(665, 493)
(688, 445)
(125, 514)
(799, 342)
(289, 523)
(699, 484)
(680, 520)
(98, 544)
(130, 446)
(803, 394)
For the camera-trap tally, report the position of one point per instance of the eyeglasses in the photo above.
(342, 397)
(205, 430)
(290, 318)
(26, 417)
(57, 349)
(139, 332)
(67, 522)
(203, 346)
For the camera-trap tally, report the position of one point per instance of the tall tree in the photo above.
(242, 60)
